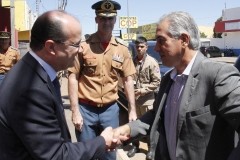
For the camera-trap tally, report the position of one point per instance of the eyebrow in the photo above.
(77, 43)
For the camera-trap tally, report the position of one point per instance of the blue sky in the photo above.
(205, 12)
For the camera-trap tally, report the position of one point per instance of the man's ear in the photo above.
(185, 39)
(96, 21)
(49, 45)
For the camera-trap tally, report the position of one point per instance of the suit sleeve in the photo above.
(227, 89)
(35, 122)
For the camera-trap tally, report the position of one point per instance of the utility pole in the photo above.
(12, 12)
(62, 4)
(59, 4)
(128, 20)
(38, 7)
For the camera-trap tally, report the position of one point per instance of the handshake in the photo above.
(114, 137)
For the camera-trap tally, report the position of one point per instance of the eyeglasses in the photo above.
(73, 45)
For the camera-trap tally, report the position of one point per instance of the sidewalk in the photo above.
(68, 114)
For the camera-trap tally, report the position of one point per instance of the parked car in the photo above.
(163, 69)
(211, 51)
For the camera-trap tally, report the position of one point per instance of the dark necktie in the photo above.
(57, 89)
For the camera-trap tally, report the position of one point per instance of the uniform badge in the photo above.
(118, 58)
(90, 70)
(129, 54)
(157, 68)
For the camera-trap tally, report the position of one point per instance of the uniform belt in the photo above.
(91, 103)
(3, 73)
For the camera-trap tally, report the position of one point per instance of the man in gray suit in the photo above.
(197, 109)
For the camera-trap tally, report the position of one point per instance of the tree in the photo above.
(217, 35)
(203, 35)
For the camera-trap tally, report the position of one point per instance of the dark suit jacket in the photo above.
(208, 116)
(32, 124)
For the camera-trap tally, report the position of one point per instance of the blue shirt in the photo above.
(50, 71)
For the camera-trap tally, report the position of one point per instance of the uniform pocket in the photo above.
(116, 67)
(90, 67)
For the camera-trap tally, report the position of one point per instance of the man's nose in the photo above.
(80, 49)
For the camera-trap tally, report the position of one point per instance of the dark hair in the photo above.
(141, 40)
(46, 27)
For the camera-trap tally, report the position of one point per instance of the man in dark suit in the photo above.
(197, 110)
(32, 122)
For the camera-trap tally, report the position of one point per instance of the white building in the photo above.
(230, 29)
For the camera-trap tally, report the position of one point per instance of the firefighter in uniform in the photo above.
(93, 81)
(8, 55)
(147, 80)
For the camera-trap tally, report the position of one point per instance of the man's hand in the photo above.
(132, 116)
(111, 142)
(137, 92)
(122, 133)
(77, 120)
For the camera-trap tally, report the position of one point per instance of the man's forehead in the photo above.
(141, 44)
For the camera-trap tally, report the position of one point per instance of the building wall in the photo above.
(231, 14)
(208, 30)
(24, 17)
(232, 39)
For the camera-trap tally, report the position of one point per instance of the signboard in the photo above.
(124, 22)
(149, 30)
(232, 26)
(131, 36)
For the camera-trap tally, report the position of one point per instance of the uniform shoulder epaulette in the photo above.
(153, 58)
(86, 37)
(14, 48)
(122, 42)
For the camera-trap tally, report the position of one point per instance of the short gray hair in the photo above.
(182, 22)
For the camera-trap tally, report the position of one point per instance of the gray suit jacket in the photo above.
(208, 116)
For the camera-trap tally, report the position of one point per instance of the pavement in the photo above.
(123, 117)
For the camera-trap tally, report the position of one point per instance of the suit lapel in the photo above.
(190, 87)
(158, 121)
(33, 63)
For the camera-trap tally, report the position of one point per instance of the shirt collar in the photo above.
(187, 70)
(50, 71)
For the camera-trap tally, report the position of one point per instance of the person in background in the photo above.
(93, 81)
(197, 110)
(147, 80)
(8, 55)
(32, 120)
